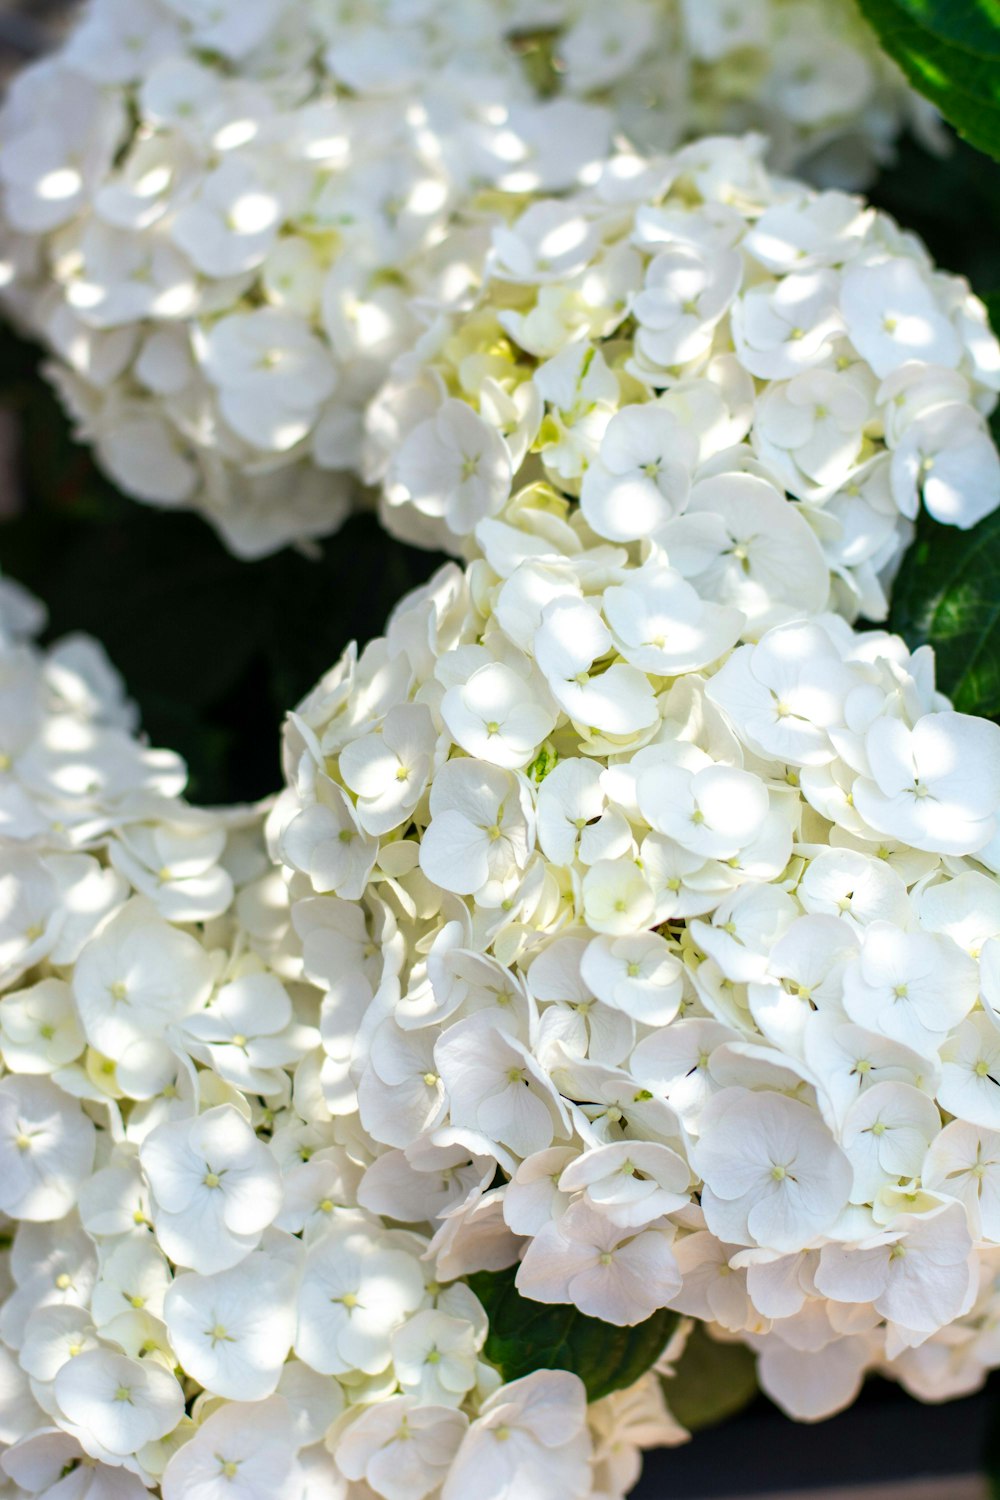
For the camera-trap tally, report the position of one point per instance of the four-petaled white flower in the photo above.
(117, 1403)
(232, 1331)
(215, 1188)
(774, 1175)
(480, 833)
(356, 1289)
(530, 1434)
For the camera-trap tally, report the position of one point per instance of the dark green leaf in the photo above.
(950, 51)
(711, 1381)
(526, 1336)
(948, 594)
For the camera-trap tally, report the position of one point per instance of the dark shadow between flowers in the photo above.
(214, 650)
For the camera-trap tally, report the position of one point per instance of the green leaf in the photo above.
(948, 595)
(526, 1336)
(711, 1381)
(950, 51)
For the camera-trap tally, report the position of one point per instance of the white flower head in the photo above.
(480, 833)
(774, 1176)
(137, 976)
(47, 1144)
(117, 1402)
(232, 1331)
(356, 1290)
(919, 789)
(215, 1188)
(240, 1450)
(531, 1433)
(400, 1447)
(236, 263)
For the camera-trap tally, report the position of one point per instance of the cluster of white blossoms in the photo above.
(192, 1299)
(763, 379)
(628, 929)
(631, 873)
(216, 215)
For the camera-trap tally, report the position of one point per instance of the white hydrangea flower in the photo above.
(482, 835)
(215, 1188)
(402, 1447)
(435, 1356)
(219, 215)
(744, 423)
(918, 788)
(232, 1331)
(627, 918)
(238, 1452)
(774, 1175)
(137, 977)
(675, 1001)
(154, 1027)
(47, 1146)
(920, 1279)
(605, 1270)
(356, 1289)
(531, 1433)
(116, 1404)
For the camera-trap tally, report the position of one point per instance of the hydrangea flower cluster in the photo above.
(216, 215)
(683, 926)
(192, 1298)
(763, 379)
